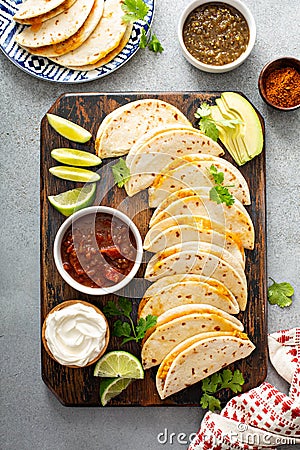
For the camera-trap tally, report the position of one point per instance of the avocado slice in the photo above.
(253, 135)
(239, 134)
(227, 135)
(237, 131)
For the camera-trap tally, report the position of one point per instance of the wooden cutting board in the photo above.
(78, 387)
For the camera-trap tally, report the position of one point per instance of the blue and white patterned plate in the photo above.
(47, 70)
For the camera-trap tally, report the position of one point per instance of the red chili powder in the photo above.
(283, 87)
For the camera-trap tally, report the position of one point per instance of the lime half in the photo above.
(68, 129)
(74, 174)
(119, 364)
(70, 201)
(112, 387)
(74, 157)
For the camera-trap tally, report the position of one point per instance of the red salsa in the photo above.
(98, 250)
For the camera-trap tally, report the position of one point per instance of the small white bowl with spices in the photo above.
(216, 37)
(75, 334)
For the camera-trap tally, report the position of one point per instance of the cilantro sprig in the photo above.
(121, 173)
(280, 294)
(220, 193)
(208, 125)
(134, 10)
(126, 328)
(137, 10)
(151, 42)
(215, 383)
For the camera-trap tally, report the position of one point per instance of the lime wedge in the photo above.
(119, 364)
(112, 387)
(74, 174)
(68, 129)
(70, 201)
(75, 157)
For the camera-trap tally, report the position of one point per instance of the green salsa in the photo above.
(216, 34)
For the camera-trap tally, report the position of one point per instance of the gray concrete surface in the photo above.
(31, 417)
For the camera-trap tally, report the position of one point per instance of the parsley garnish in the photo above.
(219, 193)
(220, 380)
(134, 10)
(152, 43)
(127, 329)
(280, 294)
(208, 125)
(121, 173)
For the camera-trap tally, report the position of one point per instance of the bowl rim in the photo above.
(65, 304)
(291, 60)
(243, 9)
(57, 254)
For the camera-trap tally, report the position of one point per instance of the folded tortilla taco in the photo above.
(163, 236)
(153, 133)
(193, 171)
(198, 357)
(203, 191)
(76, 39)
(186, 289)
(110, 56)
(202, 263)
(235, 218)
(57, 29)
(152, 157)
(197, 247)
(124, 126)
(105, 38)
(33, 12)
(178, 324)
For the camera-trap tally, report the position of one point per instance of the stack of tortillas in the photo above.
(80, 34)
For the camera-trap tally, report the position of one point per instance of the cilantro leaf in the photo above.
(203, 111)
(220, 194)
(208, 125)
(143, 39)
(145, 324)
(134, 10)
(209, 128)
(121, 329)
(125, 305)
(217, 176)
(210, 384)
(233, 381)
(217, 381)
(210, 402)
(128, 329)
(121, 173)
(280, 294)
(111, 309)
(154, 45)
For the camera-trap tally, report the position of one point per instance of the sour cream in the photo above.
(75, 334)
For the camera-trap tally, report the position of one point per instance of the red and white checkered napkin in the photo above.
(262, 418)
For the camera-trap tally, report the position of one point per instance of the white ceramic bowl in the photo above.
(244, 10)
(57, 250)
